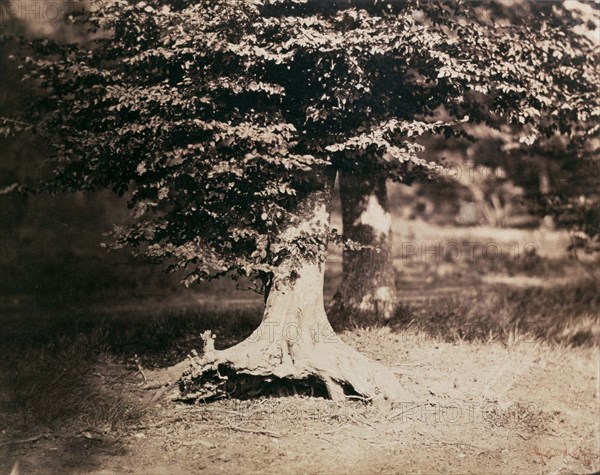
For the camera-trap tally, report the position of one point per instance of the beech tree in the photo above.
(368, 286)
(226, 121)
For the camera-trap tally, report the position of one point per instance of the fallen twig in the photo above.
(168, 420)
(326, 439)
(157, 395)
(25, 441)
(228, 411)
(140, 369)
(254, 431)
(359, 398)
(157, 385)
(371, 425)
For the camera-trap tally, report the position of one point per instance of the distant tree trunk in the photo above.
(368, 287)
(294, 349)
(544, 177)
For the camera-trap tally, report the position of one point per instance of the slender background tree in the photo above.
(529, 139)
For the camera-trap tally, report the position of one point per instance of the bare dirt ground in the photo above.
(519, 408)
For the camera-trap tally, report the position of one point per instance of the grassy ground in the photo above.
(519, 330)
(498, 407)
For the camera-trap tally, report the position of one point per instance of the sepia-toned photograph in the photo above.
(299, 237)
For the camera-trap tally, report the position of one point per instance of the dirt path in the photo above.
(476, 409)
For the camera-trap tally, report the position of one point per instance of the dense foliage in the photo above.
(567, 164)
(212, 116)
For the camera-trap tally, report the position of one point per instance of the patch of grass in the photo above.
(58, 391)
(64, 381)
(567, 315)
(79, 372)
(420, 274)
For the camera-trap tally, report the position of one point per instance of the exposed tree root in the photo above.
(166, 377)
(323, 369)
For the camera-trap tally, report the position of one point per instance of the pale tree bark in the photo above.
(294, 349)
(368, 288)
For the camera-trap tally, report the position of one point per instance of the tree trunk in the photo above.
(544, 178)
(294, 349)
(368, 287)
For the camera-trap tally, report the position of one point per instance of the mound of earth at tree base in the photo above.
(263, 367)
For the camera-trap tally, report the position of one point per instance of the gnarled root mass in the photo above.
(256, 368)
